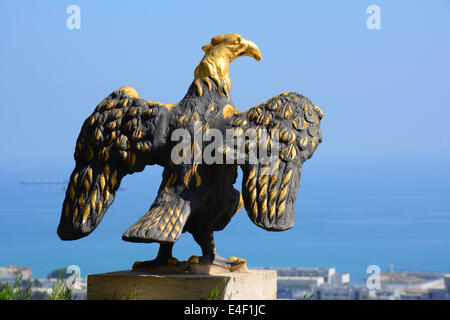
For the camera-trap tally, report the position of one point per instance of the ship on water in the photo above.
(62, 181)
(46, 181)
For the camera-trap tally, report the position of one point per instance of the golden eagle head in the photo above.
(230, 46)
(218, 55)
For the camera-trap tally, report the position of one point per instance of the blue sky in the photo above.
(385, 93)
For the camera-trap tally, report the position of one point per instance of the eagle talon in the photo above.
(193, 259)
(142, 265)
(237, 260)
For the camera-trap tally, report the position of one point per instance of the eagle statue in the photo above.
(125, 133)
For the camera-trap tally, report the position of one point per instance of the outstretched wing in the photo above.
(277, 137)
(165, 220)
(119, 138)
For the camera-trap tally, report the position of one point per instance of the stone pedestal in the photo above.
(251, 285)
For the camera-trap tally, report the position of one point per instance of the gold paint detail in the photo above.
(104, 154)
(319, 111)
(273, 194)
(102, 182)
(147, 113)
(239, 122)
(171, 181)
(86, 184)
(81, 200)
(92, 121)
(66, 211)
(254, 205)
(216, 62)
(273, 179)
(254, 209)
(75, 214)
(98, 134)
(107, 170)
(168, 106)
(114, 179)
(137, 134)
(275, 167)
(237, 260)
(89, 174)
(292, 152)
(89, 153)
(229, 111)
(281, 209)
(106, 195)
(71, 192)
(99, 207)
(116, 113)
(112, 137)
(252, 173)
(283, 193)
(108, 105)
(193, 259)
(86, 212)
(192, 173)
(241, 203)
(132, 111)
(181, 119)
(251, 183)
(129, 91)
(94, 198)
(132, 158)
(75, 179)
(272, 210)
(262, 193)
(263, 207)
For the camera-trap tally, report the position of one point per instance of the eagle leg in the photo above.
(163, 258)
(209, 253)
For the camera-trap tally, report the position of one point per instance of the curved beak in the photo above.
(250, 49)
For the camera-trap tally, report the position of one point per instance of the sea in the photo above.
(350, 214)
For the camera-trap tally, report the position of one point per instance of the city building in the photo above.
(9, 273)
(327, 284)
(296, 283)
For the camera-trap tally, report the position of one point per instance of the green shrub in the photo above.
(60, 291)
(18, 291)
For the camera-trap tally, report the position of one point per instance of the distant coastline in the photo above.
(45, 181)
(62, 181)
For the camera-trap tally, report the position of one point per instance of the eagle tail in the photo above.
(164, 222)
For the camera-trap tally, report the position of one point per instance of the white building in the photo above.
(339, 278)
(303, 283)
